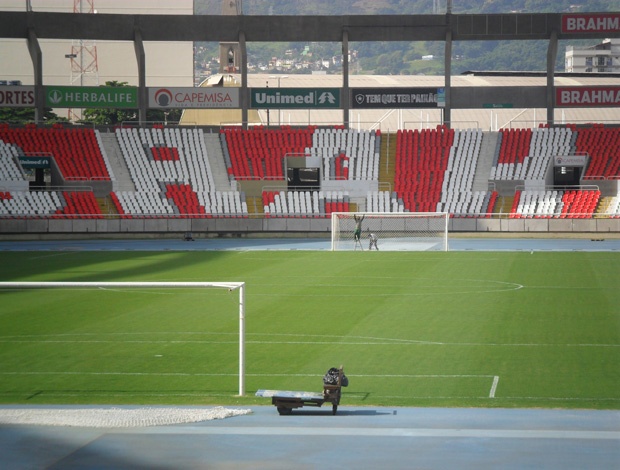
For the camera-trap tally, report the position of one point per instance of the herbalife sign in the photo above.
(280, 98)
(91, 97)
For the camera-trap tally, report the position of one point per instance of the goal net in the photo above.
(394, 231)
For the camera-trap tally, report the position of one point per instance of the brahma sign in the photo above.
(590, 97)
(592, 23)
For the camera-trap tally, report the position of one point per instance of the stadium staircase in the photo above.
(117, 162)
(387, 162)
(255, 206)
(485, 161)
(106, 207)
(216, 160)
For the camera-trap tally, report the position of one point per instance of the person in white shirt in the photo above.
(372, 241)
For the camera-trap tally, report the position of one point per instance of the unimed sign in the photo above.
(590, 97)
(303, 98)
(597, 23)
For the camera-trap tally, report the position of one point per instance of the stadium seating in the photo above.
(49, 204)
(77, 151)
(555, 204)
(435, 170)
(9, 171)
(79, 205)
(258, 153)
(304, 204)
(525, 154)
(602, 145)
(171, 173)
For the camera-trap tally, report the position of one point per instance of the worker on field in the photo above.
(358, 231)
(372, 241)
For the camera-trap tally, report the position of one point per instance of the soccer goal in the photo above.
(231, 286)
(394, 231)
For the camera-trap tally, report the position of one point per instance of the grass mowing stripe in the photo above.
(548, 325)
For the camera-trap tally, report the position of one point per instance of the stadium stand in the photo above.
(170, 174)
(258, 153)
(77, 151)
(603, 147)
(9, 171)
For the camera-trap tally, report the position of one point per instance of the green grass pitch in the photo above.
(482, 329)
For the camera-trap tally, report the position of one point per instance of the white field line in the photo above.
(494, 386)
(351, 395)
(225, 374)
(185, 374)
(502, 286)
(52, 255)
(329, 339)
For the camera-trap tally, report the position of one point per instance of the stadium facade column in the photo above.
(345, 96)
(141, 59)
(37, 65)
(552, 53)
(243, 96)
(447, 114)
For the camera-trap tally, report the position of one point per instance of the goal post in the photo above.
(395, 231)
(231, 286)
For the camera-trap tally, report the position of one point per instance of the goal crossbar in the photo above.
(231, 286)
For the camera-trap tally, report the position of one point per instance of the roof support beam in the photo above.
(37, 64)
(552, 54)
(344, 96)
(243, 94)
(279, 28)
(447, 110)
(141, 59)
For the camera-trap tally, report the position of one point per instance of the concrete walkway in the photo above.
(356, 438)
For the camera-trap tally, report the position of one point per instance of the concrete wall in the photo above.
(280, 226)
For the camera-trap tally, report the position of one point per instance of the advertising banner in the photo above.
(194, 98)
(281, 98)
(593, 23)
(16, 96)
(570, 160)
(394, 98)
(91, 97)
(33, 161)
(590, 97)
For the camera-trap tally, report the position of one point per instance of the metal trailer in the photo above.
(285, 401)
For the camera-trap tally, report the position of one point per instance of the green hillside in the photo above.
(390, 58)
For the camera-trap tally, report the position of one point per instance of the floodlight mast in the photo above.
(231, 286)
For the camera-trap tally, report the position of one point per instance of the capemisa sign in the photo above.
(193, 98)
(394, 98)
